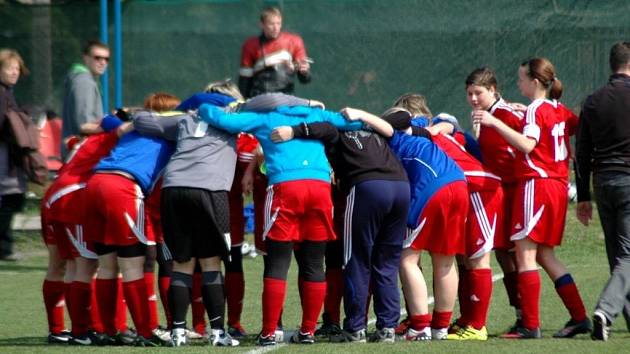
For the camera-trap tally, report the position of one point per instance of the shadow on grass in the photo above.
(17, 267)
(24, 342)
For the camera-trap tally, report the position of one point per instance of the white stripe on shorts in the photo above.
(347, 227)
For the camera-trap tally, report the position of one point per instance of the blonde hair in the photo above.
(7, 54)
(225, 87)
(269, 12)
(161, 102)
(414, 103)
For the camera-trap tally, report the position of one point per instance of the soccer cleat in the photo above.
(601, 327)
(62, 337)
(144, 342)
(302, 338)
(524, 333)
(402, 327)
(515, 326)
(220, 338)
(421, 335)
(193, 335)
(162, 333)
(127, 337)
(327, 329)
(178, 338)
(349, 337)
(439, 333)
(454, 327)
(572, 328)
(469, 333)
(264, 341)
(237, 331)
(383, 335)
(88, 338)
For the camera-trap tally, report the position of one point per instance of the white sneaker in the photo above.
(413, 335)
(439, 333)
(220, 338)
(279, 335)
(163, 334)
(192, 334)
(178, 337)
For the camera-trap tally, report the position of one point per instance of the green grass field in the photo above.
(23, 319)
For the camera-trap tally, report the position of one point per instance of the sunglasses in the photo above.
(99, 58)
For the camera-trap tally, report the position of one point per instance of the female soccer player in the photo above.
(540, 200)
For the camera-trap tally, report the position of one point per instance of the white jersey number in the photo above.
(560, 148)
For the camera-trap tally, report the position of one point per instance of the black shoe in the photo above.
(572, 328)
(601, 327)
(524, 333)
(144, 342)
(327, 329)
(127, 337)
(62, 337)
(264, 341)
(88, 338)
(302, 338)
(515, 326)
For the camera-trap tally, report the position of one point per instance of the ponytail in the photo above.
(555, 89)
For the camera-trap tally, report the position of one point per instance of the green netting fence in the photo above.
(366, 52)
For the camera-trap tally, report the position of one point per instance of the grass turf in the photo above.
(23, 318)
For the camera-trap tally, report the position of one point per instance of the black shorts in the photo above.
(195, 223)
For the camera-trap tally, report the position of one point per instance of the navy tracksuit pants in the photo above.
(374, 228)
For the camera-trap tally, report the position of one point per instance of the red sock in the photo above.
(566, 288)
(96, 324)
(234, 293)
(274, 291)
(107, 295)
(149, 279)
(53, 292)
(334, 293)
(121, 307)
(313, 294)
(480, 282)
(163, 284)
(420, 322)
(510, 281)
(80, 295)
(529, 291)
(441, 319)
(136, 297)
(463, 294)
(198, 309)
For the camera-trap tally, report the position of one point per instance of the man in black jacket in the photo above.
(603, 148)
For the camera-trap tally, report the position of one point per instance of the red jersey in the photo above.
(256, 56)
(499, 156)
(478, 177)
(246, 145)
(78, 167)
(551, 124)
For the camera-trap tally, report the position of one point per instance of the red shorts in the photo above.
(153, 218)
(67, 237)
(484, 224)
(502, 241)
(116, 208)
(442, 222)
(299, 211)
(65, 204)
(540, 210)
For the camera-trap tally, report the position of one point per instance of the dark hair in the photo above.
(542, 70)
(484, 77)
(619, 56)
(268, 12)
(93, 43)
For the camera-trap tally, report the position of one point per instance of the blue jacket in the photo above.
(295, 159)
(193, 102)
(428, 169)
(141, 156)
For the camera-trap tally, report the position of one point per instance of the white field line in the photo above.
(288, 334)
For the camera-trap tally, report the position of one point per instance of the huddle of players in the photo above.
(402, 171)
